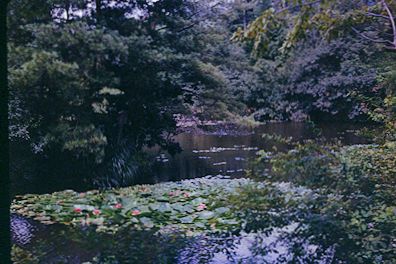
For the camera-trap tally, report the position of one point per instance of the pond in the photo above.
(59, 244)
(217, 153)
(203, 155)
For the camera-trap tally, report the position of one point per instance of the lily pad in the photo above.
(164, 207)
(206, 215)
(187, 220)
(222, 210)
(147, 222)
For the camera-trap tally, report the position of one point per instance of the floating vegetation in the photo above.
(277, 138)
(250, 148)
(162, 158)
(222, 149)
(190, 205)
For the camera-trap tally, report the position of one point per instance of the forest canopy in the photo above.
(95, 82)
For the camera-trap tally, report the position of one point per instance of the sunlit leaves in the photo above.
(331, 18)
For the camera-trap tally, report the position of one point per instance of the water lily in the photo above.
(186, 195)
(77, 210)
(144, 189)
(171, 194)
(96, 212)
(118, 206)
(201, 207)
(135, 212)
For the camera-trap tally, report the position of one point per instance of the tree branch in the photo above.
(392, 21)
(187, 27)
(300, 5)
(370, 38)
(191, 16)
(377, 15)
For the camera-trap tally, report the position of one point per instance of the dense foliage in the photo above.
(319, 81)
(356, 214)
(346, 205)
(93, 83)
(320, 59)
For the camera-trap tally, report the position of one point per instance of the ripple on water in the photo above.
(22, 231)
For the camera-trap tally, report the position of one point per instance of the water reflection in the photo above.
(22, 230)
(202, 155)
(214, 154)
(60, 244)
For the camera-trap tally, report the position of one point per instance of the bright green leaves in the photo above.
(261, 31)
(329, 17)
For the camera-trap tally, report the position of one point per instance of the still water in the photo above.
(202, 155)
(216, 153)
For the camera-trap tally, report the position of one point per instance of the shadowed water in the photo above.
(60, 244)
(202, 155)
(214, 154)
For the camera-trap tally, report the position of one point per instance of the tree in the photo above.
(374, 21)
(319, 81)
(85, 89)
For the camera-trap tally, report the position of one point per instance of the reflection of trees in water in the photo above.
(270, 245)
(205, 248)
(21, 229)
(286, 245)
(278, 245)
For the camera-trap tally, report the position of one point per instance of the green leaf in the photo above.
(221, 210)
(206, 215)
(147, 222)
(187, 220)
(164, 207)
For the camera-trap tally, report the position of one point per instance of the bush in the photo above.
(356, 211)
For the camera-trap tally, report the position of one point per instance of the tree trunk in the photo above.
(98, 7)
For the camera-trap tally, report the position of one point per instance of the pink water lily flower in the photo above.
(186, 195)
(77, 210)
(201, 206)
(135, 212)
(171, 193)
(118, 206)
(96, 212)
